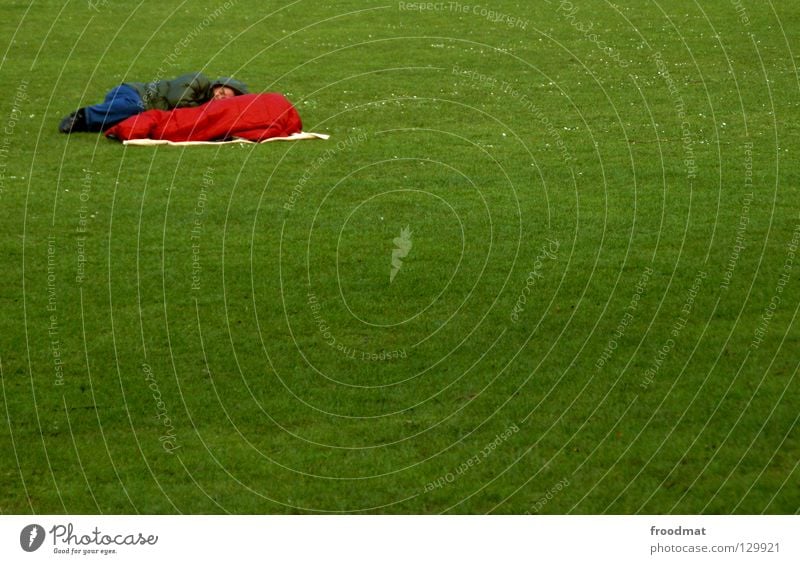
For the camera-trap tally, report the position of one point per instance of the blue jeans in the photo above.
(120, 103)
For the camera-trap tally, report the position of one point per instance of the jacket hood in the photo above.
(237, 86)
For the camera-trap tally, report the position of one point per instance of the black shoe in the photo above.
(76, 121)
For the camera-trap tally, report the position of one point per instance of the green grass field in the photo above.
(593, 309)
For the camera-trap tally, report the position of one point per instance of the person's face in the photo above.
(222, 92)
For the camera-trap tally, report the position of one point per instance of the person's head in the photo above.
(226, 87)
(221, 92)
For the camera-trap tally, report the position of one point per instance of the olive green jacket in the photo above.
(185, 91)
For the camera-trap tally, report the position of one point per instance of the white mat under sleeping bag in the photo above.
(293, 137)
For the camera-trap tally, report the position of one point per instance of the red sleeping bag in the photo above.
(252, 116)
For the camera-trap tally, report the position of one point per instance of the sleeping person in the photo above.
(131, 98)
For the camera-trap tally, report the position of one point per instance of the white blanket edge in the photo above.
(293, 137)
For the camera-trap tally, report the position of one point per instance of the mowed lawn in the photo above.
(547, 262)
